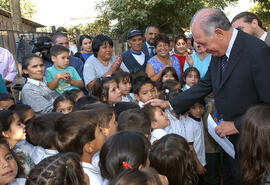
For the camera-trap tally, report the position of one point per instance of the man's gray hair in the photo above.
(151, 26)
(214, 19)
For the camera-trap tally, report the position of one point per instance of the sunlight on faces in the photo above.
(114, 94)
(192, 78)
(125, 87)
(16, 131)
(196, 110)
(63, 41)
(146, 92)
(61, 61)
(135, 43)
(150, 35)
(161, 119)
(64, 107)
(8, 166)
(86, 46)
(181, 47)
(35, 69)
(211, 44)
(105, 52)
(162, 49)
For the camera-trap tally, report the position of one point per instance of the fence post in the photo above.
(16, 14)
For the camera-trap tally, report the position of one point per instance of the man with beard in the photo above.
(134, 58)
(251, 24)
(150, 35)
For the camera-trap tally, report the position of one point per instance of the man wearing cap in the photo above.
(150, 35)
(134, 58)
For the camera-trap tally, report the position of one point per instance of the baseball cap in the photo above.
(133, 33)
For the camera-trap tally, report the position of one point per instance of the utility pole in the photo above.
(15, 10)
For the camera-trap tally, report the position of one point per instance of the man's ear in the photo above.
(254, 23)
(219, 33)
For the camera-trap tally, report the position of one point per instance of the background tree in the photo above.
(262, 10)
(170, 15)
(28, 7)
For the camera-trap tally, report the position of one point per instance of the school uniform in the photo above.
(177, 126)
(157, 134)
(18, 181)
(128, 98)
(93, 173)
(195, 135)
(40, 153)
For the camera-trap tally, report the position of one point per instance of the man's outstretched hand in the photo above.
(158, 102)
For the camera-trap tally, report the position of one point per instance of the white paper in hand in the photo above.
(223, 142)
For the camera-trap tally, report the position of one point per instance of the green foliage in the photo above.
(27, 7)
(262, 10)
(171, 16)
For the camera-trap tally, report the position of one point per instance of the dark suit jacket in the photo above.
(267, 39)
(145, 50)
(245, 82)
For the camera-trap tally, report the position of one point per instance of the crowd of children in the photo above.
(60, 136)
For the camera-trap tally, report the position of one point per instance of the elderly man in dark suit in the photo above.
(238, 75)
(148, 48)
(251, 24)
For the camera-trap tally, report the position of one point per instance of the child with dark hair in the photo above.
(135, 120)
(40, 137)
(254, 148)
(123, 151)
(168, 73)
(195, 134)
(108, 124)
(86, 100)
(10, 166)
(106, 89)
(75, 94)
(63, 104)
(171, 157)
(11, 128)
(159, 120)
(6, 100)
(25, 112)
(62, 77)
(123, 80)
(145, 176)
(144, 90)
(158, 89)
(80, 132)
(190, 77)
(123, 106)
(13, 131)
(168, 86)
(60, 169)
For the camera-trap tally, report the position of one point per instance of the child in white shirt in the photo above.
(159, 120)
